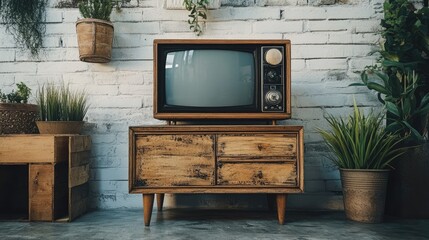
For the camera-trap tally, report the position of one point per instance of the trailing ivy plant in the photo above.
(197, 9)
(24, 20)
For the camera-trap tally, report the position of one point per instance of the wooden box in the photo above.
(56, 168)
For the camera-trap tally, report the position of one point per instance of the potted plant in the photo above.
(16, 115)
(402, 82)
(362, 150)
(61, 110)
(95, 31)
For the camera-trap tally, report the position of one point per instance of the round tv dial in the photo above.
(273, 97)
(273, 56)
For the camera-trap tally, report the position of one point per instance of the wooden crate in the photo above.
(58, 173)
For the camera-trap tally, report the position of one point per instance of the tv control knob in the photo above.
(272, 76)
(273, 56)
(273, 97)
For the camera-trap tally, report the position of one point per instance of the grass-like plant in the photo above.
(61, 104)
(98, 9)
(361, 142)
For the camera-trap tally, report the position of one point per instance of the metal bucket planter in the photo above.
(95, 38)
(60, 127)
(364, 193)
(17, 118)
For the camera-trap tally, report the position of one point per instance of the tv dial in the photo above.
(273, 97)
(273, 56)
(272, 76)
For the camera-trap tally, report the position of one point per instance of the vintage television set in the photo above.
(222, 79)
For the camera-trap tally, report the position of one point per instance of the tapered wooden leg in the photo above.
(147, 208)
(281, 207)
(160, 201)
(271, 202)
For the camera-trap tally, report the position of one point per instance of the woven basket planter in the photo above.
(364, 193)
(94, 38)
(17, 118)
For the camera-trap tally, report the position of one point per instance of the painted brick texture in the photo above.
(331, 42)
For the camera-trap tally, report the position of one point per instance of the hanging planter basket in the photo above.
(95, 38)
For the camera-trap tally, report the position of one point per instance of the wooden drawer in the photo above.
(257, 146)
(257, 173)
(175, 160)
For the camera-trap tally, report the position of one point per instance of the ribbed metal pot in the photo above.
(364, 194)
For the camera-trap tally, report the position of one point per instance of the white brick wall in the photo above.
(330, 44)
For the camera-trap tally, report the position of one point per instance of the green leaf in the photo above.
(413, 131)
(392, 108)
(377, 87)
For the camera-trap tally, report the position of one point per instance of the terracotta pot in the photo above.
(17, 118)
(60, 127)
(407, 194)
(95, 38)
(364, 193)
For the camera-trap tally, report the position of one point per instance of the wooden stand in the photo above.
(215, 159)
(58, 173)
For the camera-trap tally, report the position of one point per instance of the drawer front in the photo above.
(257, 145)
(174, 160)
(257, 173)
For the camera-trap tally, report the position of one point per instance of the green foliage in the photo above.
(402, 80)
(406, 46)
(361, 142)
(23, 19)
(98, 9)
(20, 96)
(61, 104)
(197, 9)
(407, 113)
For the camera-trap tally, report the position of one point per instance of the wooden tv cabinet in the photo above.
(215, 159)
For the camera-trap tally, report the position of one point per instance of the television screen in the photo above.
(210, 78)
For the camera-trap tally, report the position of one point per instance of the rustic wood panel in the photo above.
(80, 143)
(33, 149)
(175, 145)
(257, 174)
(220, 189)
(41, 190)
(257, 145)
(78, 175)
(175, 160)
(78, 200)
(79, 158)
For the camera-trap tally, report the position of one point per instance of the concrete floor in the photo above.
(215, 224)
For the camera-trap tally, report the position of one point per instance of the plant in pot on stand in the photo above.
(402, 83)
(95, 31)
(61, 110)
(362, 150)
(16, 115)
